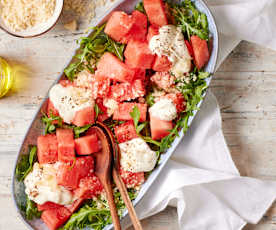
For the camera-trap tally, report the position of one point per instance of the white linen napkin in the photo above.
(201, 179)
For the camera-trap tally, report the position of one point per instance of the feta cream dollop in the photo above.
(164, 109)
(136, 156)
(68, 100)
(41, 185)
(170, 42)
(111, 106)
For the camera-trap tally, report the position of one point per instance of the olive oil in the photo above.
(6, 77)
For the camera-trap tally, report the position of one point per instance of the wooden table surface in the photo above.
(245, 86)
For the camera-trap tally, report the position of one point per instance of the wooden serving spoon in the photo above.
(118, 180)
(103, 169)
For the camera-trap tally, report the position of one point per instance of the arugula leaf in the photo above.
(135, 114)
(51, 123)
(91, 49)
(97, 111)
(90, 215)
(192, 21)
(140, 7)
(150, 99)
(25, 165)
(31, 210)
(79, 130)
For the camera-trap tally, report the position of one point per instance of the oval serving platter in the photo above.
(36, 127)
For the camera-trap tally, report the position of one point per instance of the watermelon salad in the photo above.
(141, 74)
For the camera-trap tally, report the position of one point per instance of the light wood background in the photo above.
(245, 86)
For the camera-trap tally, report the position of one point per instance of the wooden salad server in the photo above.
(118, 180)
(103, 169)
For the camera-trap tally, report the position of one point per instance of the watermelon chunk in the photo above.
(84, 116)
(161, 64)
(138, 55)
(125, 132)
(54, 218)
(47, 205)
(156, 12)
(123, 111)
(140, 74)
(100, 86)
(119, 25)
(190, 48)
(159, 128)
(87, 145)
(153, 30)
(126, 91)
(163, 80)
(47, 149)
(68, 175)
(111, 67)
(201, 52)
(89, 187)
(84, 166)
(139, 28)
(66, 145)
(131, 179)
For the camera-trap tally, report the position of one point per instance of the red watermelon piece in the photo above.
(66, 145)
(89, 187)
(87, 145)
(119, 25)
(159, 128)
(163, 80)
(111, 67)
(84, 166)
(128, 91)
(54, 218)
(47, 149)
(139, 28)
(161, 64)
(153, 30)
(190, 48)
(140, 74)
(124, 109)
(201, 52)
(131, 179)
(156, 12)
(68, 175)
(47, 205)
(100, 87)
(125, 132)
(138, 55)
(84, 116)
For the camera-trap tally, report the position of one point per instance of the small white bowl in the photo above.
(39, 29)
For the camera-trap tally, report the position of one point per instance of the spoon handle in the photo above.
(112, 206)
(122, 188)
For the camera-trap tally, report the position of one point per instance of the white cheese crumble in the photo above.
(136, 156)
(111, 106)
(41, 186)
(170, 42)
(164, 109)
(68, 100)
(84, 79)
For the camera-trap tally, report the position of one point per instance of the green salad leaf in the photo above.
(25, 164)
(140, 7)
(98, 111)
(51, 123)
(96, 214)
(80, 130)
(91, 49)
(31, 210)
(192, 21)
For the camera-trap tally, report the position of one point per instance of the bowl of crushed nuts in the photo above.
(29, 18)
